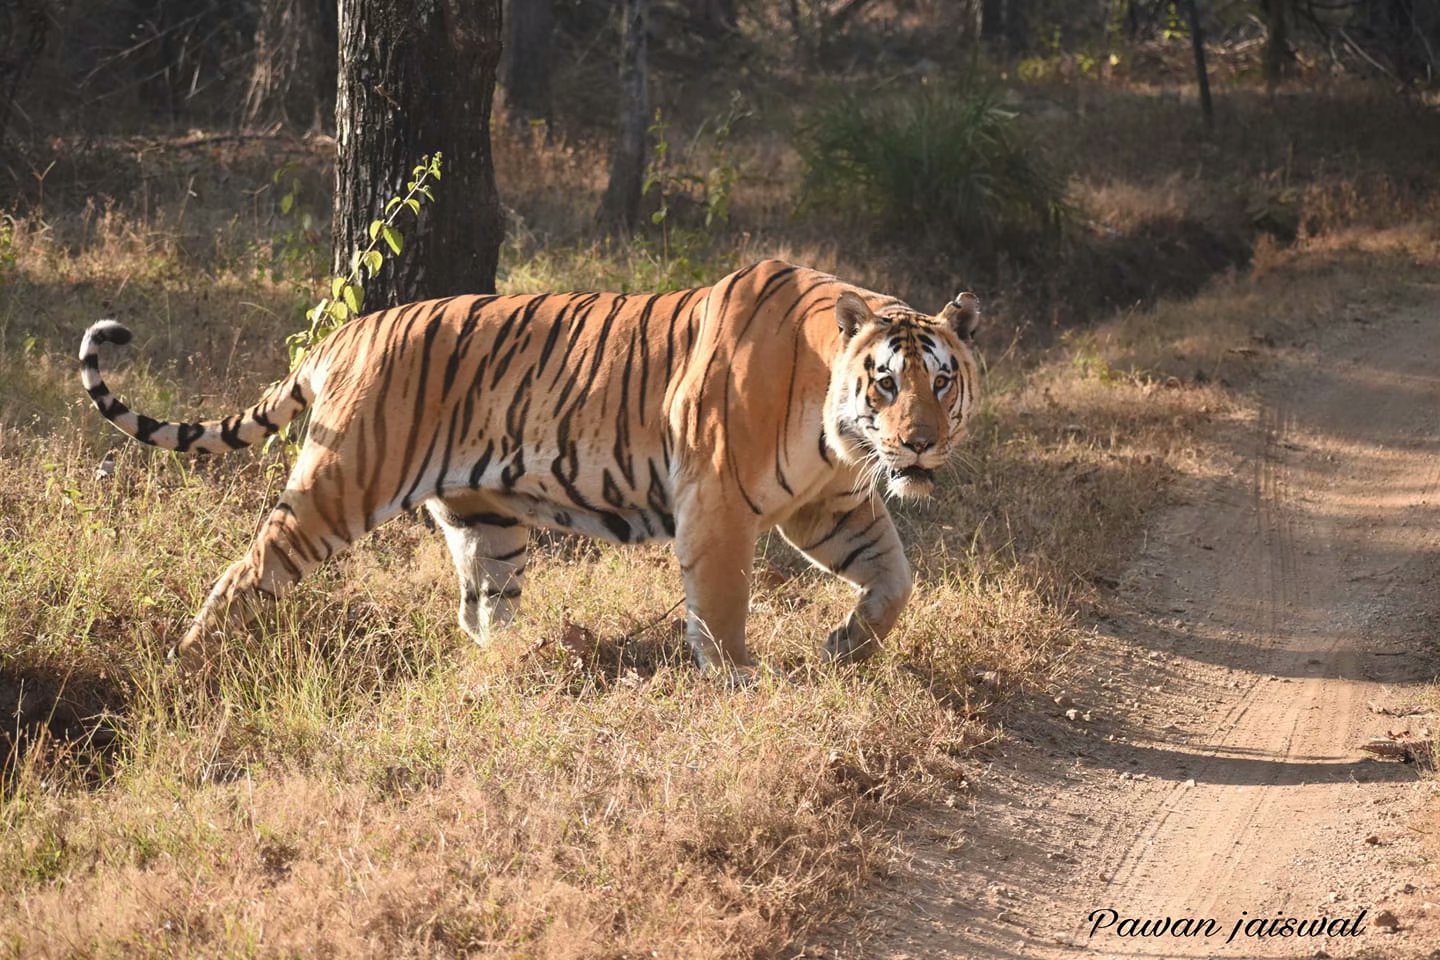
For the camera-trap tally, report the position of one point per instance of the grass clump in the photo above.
(949, 164)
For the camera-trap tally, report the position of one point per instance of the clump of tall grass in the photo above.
(943, 165)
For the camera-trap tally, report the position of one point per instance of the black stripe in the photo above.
(145, 428)
(186, 434)
(477, 471)
(854, 555)
(486, 519)
(230, 432)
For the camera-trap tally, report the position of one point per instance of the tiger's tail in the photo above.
(282, 402)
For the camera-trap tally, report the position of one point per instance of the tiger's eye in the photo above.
(885, 383)
(941, 383)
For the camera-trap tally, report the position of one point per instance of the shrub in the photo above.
(942, 165)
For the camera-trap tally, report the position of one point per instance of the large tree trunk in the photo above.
(416, 78)
(620, 207)
(292, 82)
(527, 64)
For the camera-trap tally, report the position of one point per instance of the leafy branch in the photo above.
(347, 293)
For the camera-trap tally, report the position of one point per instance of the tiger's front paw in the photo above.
(850, 642)
(191, 656)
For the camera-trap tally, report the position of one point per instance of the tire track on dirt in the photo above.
(1306, 576)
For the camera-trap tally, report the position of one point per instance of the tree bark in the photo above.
(620, 207)
(293, 78)
(416, 77)
(1202, 75)
(527, 65)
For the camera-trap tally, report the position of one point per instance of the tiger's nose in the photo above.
(920, 441)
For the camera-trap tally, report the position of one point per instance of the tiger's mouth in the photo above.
(912, 481)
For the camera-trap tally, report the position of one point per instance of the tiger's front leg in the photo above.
(851, 534)
(716, 549)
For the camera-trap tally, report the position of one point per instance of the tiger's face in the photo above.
(901, 390)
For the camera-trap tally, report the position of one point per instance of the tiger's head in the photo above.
(901, 389)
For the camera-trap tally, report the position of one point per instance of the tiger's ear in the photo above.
(851, 313)
(963, 315)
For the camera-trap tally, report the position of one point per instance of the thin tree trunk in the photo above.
(293, 76)
(527, 64)
(620, 207)
(1277, 41)
(714, 16)
(18, 53)
(416, 78)
(1202, 75)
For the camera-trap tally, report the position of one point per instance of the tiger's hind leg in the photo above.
(489, 550)
(851, 535)
(309, 525)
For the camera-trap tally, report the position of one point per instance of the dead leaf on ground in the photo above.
(1401, 746)
(579, 641)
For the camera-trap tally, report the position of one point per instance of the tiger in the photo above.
(778, 397)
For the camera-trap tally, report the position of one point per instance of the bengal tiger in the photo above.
(778, 397)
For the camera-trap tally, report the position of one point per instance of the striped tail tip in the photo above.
(103, 331)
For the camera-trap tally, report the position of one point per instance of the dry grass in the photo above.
(364, 782)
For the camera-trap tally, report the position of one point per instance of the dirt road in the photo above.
(1277, 617)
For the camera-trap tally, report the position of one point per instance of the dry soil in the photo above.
(1278, 616)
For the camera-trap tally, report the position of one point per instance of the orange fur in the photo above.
(706, 415)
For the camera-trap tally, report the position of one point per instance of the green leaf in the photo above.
(375, 226)
(373, 260)
(429, 194)
(392, 238)
(287, 202)
(351, 293)
(336, 286)
(338, 310)
(413, 204)
(391, 204)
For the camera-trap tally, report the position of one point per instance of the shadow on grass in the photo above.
(70, 715)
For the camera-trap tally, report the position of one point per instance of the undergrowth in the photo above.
(363, 781)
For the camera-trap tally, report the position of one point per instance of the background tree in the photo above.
(620, 207)
(714, 17)
(1277, 39)
(292, 82)
(1202, 73)
(1004, 21)
(22, 40)
(527, 60)
(414, 79)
